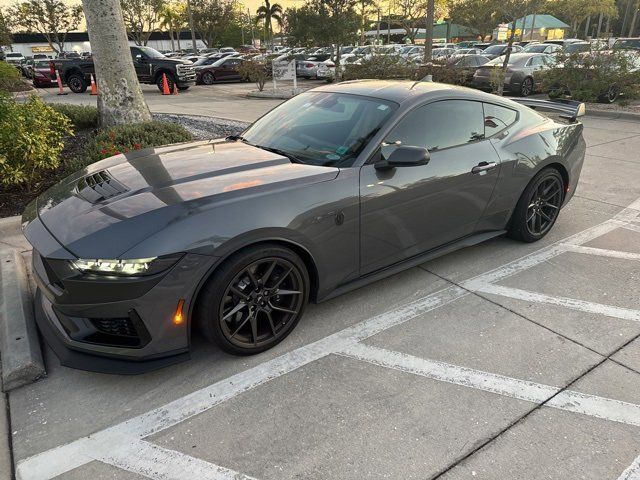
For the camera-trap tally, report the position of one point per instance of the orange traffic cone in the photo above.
(175, 89)
(165, 85)
(60, 89)
(94, 86)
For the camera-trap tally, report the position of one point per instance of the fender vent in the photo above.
(99, 186)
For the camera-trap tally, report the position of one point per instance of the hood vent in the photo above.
(99, 186)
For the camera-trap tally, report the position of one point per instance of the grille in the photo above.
(122, 327)
(99, 186)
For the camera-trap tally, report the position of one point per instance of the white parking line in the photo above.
(591, 405)
(152, 461)
(601, 252)
(571, 303)
(633, 227)
(62, 459)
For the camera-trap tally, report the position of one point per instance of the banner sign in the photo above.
(284, 70)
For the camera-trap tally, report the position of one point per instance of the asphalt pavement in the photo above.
(501, 361)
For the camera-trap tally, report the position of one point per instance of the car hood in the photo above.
(129, 197)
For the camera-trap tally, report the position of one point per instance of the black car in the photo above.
(521, 76)
(338, 187)
(150, 67)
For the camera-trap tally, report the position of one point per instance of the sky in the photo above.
(252, 4)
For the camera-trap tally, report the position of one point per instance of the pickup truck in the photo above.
(149, 64)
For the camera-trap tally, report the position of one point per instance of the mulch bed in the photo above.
(13, 200)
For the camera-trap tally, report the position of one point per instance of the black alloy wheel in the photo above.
(208, 78)
(611, 95)
(76, 83)
(526, 88)
(254, 300)
(538, 207)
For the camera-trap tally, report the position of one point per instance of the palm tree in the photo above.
(172, 17)
(267, 13)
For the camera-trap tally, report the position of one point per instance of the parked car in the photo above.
(40, 56)
(500, 49)
(464, 65)
(308, 68)
(469, 51)
(443, 52)
(336, 188)
(482, 45)
(150, 67)
(26, 68)
(520, 76)
(41, 75)
(14, 58)
(542, 48)
(327, 69)
(205, 51)
(68, 55)
(563, 42)
(222, 70)
(627, 44)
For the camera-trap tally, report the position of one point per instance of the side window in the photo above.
(439, 125)
(537, 61)
(497, 118)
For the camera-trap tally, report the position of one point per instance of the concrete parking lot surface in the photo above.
(501, 361)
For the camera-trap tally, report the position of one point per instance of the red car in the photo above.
(41, 74)
(222, 70)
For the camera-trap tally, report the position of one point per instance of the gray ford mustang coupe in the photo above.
(338, 187)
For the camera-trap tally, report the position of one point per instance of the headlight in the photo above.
(129, 267)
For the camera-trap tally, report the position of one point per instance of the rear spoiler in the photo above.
(569, 109)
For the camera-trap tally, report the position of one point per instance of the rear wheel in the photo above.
(77, 83)
(526, 88)
(254, 300)
(611, 95)
(538, 207)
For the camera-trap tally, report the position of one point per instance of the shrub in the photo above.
(83, 117)
(255, 72)
(10, 79)
(125, 138)
(31, 135)
(496, 78)
(380, 67)
(588, 77)
(442, 71)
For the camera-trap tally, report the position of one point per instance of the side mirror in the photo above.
(405, 156)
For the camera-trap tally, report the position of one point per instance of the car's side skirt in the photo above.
(411, 262)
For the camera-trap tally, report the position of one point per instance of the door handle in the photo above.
(484, 167)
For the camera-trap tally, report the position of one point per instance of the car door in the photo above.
(141, 64)
(232, 66)
(409, 210)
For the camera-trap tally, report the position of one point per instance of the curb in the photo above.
(6, 467)
(19, 343)
(613, 114)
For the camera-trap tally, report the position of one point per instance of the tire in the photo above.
(532, 201)
(241, 315)
(77, 83)
(184, 88)
(611, 95)
(526, 87)
(170, 81)
(208, 78)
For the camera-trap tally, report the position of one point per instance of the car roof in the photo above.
(400, 91)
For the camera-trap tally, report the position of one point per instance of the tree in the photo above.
(574, 12)
(366, 7)
(141, 18)
(479, 15)
(120, 98)
(411, 16)
(173, 18)
(267, 13)
(51, 18)
(213, 19)
(5, 30)
(301, 25)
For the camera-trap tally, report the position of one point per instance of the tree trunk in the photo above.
(633, 21)
(173, 45)
(428, 34)
(599, 25)
(193, 32)
(508, 54)
(586, 27)
(120, 98)
(178, 39)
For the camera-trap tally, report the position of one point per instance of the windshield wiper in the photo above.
(279, 152)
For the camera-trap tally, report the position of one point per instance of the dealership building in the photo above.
(30, 43)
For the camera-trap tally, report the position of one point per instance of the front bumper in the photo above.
(114, 324)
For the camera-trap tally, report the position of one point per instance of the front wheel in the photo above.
(208, 78)
(170, 82)
(538, 207)
(254, 300)
(610, 96)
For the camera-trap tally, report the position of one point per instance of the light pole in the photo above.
(193, 32)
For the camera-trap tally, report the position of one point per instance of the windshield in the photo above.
(14, 55)
(42, 64)
(203, 61)
(150, 52)
(536, 48)
(320, 128)
(624, 44)
(494, 49)
(500, 61)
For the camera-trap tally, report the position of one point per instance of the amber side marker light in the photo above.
(178, 318)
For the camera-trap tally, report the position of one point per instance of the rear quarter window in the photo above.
(497, 118)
